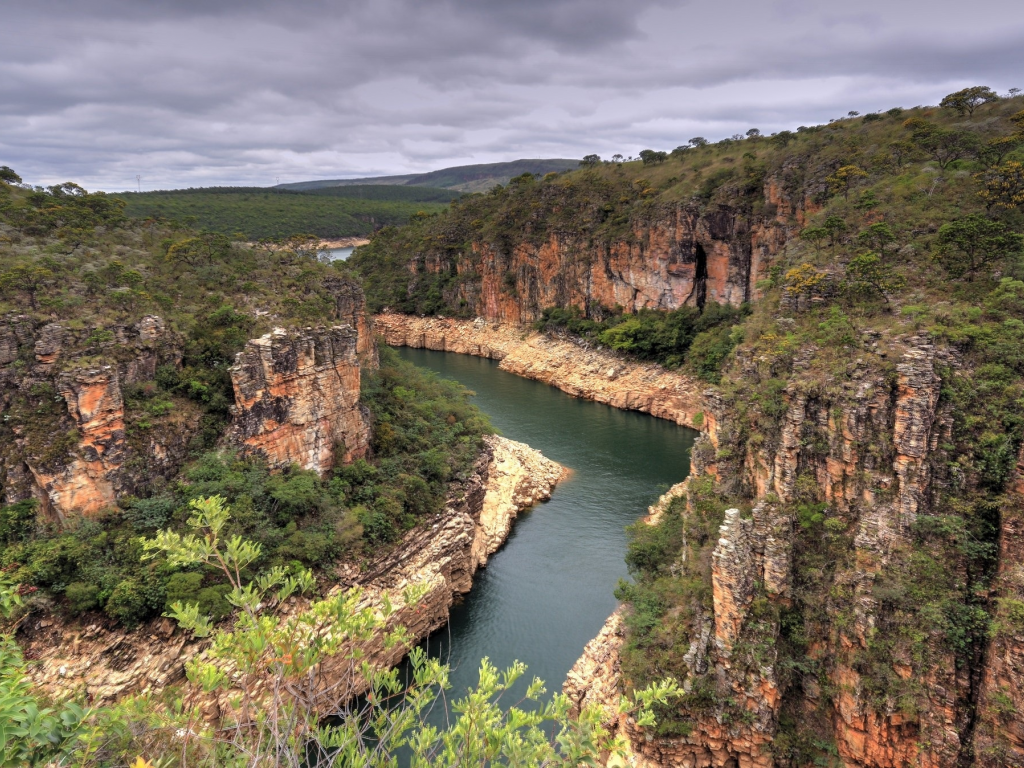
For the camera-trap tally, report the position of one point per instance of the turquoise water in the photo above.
(548, 591)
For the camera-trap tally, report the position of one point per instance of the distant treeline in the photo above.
(257, 212)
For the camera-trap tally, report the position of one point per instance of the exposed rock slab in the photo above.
(297, 398)
(591, 374)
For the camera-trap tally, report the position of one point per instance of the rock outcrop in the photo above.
(441, 555)
(581, 371)
(70, 439)
(297, 398)
(873, 449)
(67, 437)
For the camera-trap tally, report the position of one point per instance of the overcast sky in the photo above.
(204, 92)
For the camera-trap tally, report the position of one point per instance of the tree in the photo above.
(754, 133)
(1003, 187)
(901, 153)
(590, 161)
(782, 138)
(653, 157)
(616, 158)
(970, 244)
(836, 227)
(843, 178)
(206, 245)
(941, 145)
(869, 274)
(879, 236)
(8, 176)
(995, 151)
(815, 236)
(698, 141)
(678, 152)
(969, 99)
(26, 278)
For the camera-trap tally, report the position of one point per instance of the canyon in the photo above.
(874, 447)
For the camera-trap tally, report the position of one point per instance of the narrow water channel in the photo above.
(548, 591)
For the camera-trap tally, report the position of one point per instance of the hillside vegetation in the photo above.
(462, 178)
(256, 213)
(73, 257)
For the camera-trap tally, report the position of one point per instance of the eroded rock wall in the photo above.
(65, 437)
(873, 449)
(297, 398)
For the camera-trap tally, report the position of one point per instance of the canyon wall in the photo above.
(297, 398)
(670, 255)
(441, 555)
(71, 439)
(67, 438)
(874, 450)
(566, 363)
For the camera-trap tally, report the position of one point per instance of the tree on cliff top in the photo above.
(965, 101)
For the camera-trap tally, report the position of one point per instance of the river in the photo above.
(548, 591)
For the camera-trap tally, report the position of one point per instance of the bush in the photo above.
(82, 597)
(132, 602)
(147, 515)
(17, 521)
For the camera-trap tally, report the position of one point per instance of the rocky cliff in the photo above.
(880, 682)
(68, 438)
(297, 398)
(74, 443)
(441, 554)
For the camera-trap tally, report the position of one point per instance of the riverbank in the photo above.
(70, 658)
(600, 375)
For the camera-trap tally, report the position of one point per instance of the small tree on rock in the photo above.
(870, 275)
(879, 237)
(843, 179)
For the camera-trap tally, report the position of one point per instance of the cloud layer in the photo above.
(201, 92)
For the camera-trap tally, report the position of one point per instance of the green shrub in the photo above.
(17, 520)
(133, 601)
(82, 597)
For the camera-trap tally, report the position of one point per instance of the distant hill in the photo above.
(257, 212)
(463, 178)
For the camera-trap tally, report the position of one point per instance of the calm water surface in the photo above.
(337, 254)
(548, 591)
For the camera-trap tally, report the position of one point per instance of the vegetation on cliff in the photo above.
(265, 681)
(911, 245)
(426, 436)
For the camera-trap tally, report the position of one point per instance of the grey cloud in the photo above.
(242, 91)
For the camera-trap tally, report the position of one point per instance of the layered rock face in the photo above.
(591, 374)
(677, 254)
(66, 441)
(297, 398)
(69, 440)
(874, 451)
(441, 554)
